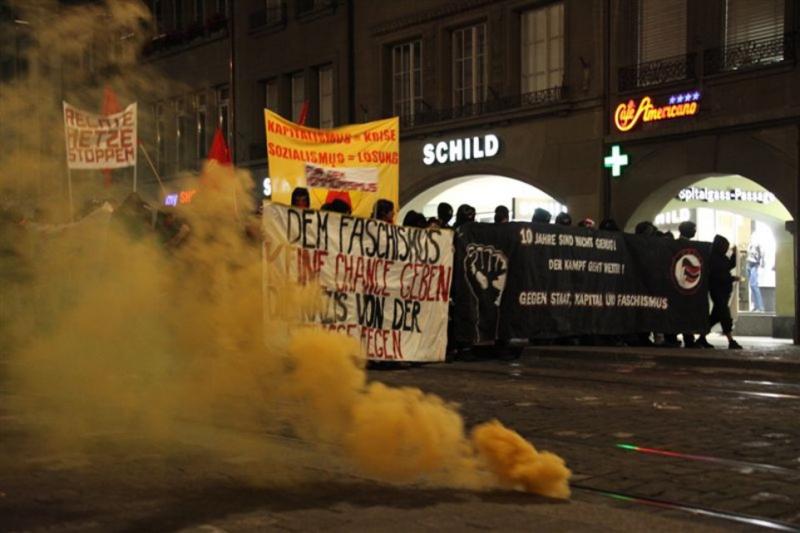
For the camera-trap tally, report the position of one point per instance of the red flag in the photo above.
(219, 149)
(339, 195)
(303, 113)
(109, 107)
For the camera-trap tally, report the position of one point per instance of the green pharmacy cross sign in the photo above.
(616, 160)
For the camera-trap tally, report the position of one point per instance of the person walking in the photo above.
(687, 230)
(755, 260)
(720, 285)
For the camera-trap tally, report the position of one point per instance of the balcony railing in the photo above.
(669, 69)
(495, 105)
(751, 54)
(268, 17)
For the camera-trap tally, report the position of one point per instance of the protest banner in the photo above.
(361, 160)
(100, 141)
(525, 280)
(387, 285)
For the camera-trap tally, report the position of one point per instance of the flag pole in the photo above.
(152, 167)
(69, 195)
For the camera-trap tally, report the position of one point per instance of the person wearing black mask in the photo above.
(444, 212)
(720, 287)
(563, 219)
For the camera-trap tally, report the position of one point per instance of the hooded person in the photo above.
(464, 215)
(720, 287)
(541, 216)
(609, 224)
(563, 219)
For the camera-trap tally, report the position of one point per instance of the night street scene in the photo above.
(381, 265)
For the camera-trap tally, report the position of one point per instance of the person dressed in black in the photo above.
(564, 219)
(444, 212)
(541, 215)
(384, 210)
(301, 198)
(720, 286)
(501, 214)
(687, 230)
(465, 214)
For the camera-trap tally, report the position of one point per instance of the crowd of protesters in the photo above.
(721, 280)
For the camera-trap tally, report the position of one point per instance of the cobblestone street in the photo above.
(651, 446)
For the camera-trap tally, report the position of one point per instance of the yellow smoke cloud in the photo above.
(115, 333)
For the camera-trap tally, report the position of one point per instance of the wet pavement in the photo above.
(655, 445)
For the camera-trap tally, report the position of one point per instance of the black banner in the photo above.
(524, 280)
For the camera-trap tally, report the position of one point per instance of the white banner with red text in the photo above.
(386, 285)
(100, 141)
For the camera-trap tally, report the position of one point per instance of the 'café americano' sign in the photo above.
(631, 113)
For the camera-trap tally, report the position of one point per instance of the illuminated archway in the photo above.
(484, 192)
(745, 213)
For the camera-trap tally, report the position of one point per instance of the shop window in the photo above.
(542, 38)
(326, 96)
(298, 94)
(407, 80)
(185, 134)
(222, 7)
(469, 65)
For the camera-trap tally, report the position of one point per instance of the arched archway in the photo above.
(749, 216)
(484, 192)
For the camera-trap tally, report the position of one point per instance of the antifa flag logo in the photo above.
(486, 269)
(687, 269)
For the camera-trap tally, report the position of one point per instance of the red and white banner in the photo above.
(386, 285)
(96, 141)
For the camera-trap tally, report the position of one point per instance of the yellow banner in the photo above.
(360, 162)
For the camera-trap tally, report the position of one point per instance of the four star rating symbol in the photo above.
(616, 161)
(684, 98)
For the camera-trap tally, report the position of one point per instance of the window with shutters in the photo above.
(469, 65)
(542, 38)
(407, 80)
(326, 96)
(662, 29)
(753, 32)
(661, 55)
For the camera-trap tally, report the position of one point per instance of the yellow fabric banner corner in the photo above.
(359, 162)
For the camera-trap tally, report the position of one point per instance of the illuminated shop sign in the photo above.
(631, 113)
(183, 197)
(266, 187)
(461, 149)
(704, 194)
